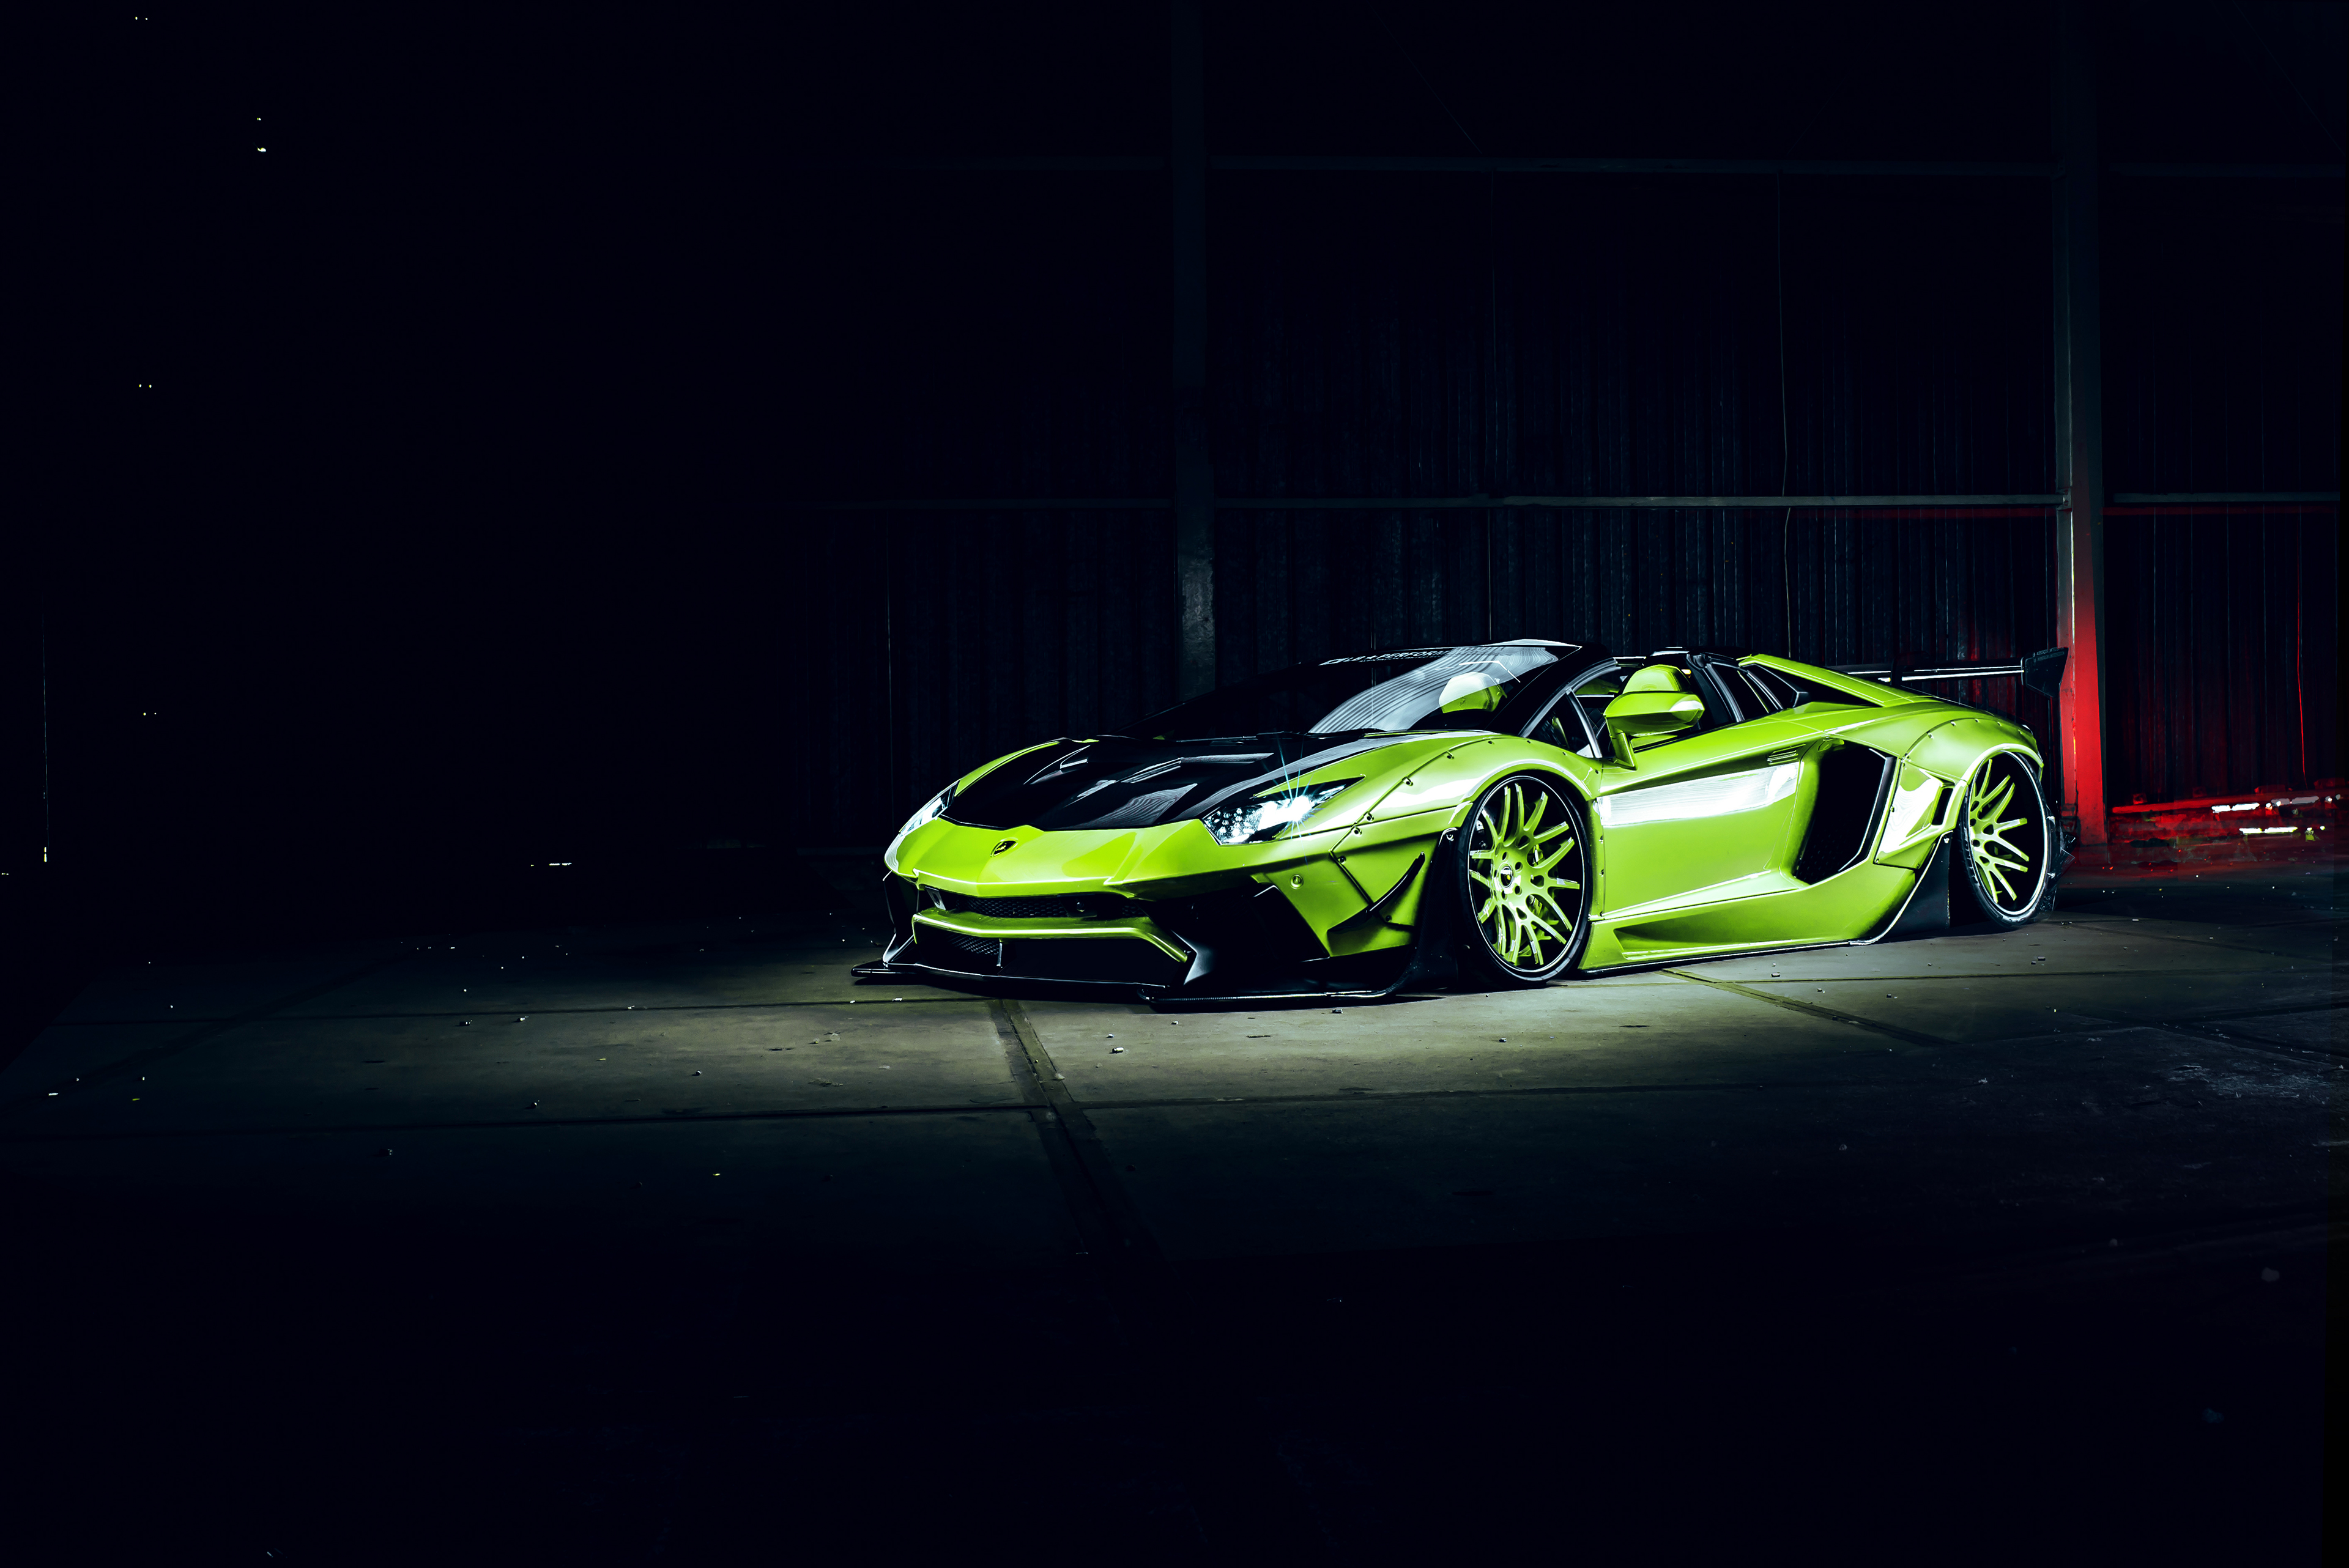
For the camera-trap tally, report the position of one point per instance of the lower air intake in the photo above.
(953, 949)
(1111, 959)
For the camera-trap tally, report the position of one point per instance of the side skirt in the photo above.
(1924, 912)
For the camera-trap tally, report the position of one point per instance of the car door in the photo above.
(1706, 816)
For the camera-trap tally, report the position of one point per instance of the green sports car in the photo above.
(1493, 815)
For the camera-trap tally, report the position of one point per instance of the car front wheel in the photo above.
(1523, 882)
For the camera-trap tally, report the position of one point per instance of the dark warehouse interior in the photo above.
(569, 488)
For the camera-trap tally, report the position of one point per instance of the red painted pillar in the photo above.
(2079, 422)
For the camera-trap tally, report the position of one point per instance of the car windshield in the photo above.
(1412, 688)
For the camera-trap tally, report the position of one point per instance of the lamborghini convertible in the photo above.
(1490, 816)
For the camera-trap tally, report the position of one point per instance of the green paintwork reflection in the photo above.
(1705, 812)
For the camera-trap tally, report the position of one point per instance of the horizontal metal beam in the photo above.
(983, 163)
(2229, 170)
(1129, 503)
(976, 162)
(1342, 162)
(1570, 503)
(1447, 504)
(1619, 502)
(2146, 498)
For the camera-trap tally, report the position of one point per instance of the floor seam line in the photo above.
(1890, 1031)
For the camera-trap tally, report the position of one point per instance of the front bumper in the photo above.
(1161, 912)
(1119, 951)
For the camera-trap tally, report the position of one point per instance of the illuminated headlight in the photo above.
(1253, 822)
(938, 803)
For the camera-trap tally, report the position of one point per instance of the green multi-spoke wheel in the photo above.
(1524, 881)
(2003, 839)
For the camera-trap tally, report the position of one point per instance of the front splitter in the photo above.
(1156, 995)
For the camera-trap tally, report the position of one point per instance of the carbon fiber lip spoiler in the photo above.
(1158, 995)
(883, 969)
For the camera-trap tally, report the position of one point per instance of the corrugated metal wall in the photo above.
(1447, 334)
(1296, 585)
(1013, 629)
(2222, 335)
(957, 637)
(2224, 658)
(1293, 585)
(2222, 332)
(1414, 334)
(977, 335)
(1400, 335)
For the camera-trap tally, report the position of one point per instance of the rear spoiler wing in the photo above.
(2041, 672)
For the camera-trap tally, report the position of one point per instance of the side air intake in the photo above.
(1854, 783)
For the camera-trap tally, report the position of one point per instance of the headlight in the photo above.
(1253, 822)
(938, 803)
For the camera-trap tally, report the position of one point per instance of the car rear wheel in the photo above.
(1524, 899)
(2003, 838)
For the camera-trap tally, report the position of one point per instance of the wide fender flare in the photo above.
(1464, 774)
(1952, 751)
(1929, 785)
(1584, 795)
(1423, 846)
(1402, 833)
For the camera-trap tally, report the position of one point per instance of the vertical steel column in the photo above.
(1195, 474)
(2079, 421)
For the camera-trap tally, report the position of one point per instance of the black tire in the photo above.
(2004, 851)
(1523, 882)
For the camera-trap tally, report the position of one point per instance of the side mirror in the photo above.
(1647, 715)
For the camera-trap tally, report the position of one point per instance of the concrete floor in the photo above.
(635, 1242)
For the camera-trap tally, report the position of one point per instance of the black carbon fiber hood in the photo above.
(1120, 783)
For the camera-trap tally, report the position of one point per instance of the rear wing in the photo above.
(2041, 672)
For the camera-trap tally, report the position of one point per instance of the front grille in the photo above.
(1058, 906)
